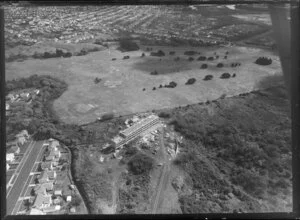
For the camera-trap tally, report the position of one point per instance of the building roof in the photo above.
(42, 188)
(51, 174)
(44, 176)
(35, 211)
(46, 165)
(42, 199)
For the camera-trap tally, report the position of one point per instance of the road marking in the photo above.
(17, 173)
(23, 188)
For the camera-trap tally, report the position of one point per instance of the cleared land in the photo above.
(120, 90)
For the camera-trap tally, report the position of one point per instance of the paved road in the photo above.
(22, 176)
(163, 179)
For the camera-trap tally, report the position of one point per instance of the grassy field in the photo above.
(121, 88)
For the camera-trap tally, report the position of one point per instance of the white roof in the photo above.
(35, 211)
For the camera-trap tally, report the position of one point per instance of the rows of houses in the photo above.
(48, 194)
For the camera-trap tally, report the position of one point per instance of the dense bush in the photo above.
(204, 66)
(164, 115)
(126, 57)
(220, 65)
(225, 76)
(190, 53)
(97, 80)
(171, 85)
(172, 52)
(201, 58)
(263, 61)
(190, 81)
(159, 53)
(107, 116)
(233, 75)
(140, 163)
(113, 59)
(177, 59)
(210, 58)
(128, 45)
(154, 72)
(208, 77)
(190, 59)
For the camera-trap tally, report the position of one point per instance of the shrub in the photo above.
(233, 75)
(126, 57)
(127, 45)
(201, 58)
(204, 66)
(160, 86)
(113, 59)
(130, 151)
(107, 116)
(171, 85)
(143, 54)
(172, 52)
(164, 115)
(154, 72)
(208, 77)
(225, 57)
(154, 88)
(97, 80)
(140, 163)
(263, 61)
(190, 53)
(190, 59)
(210, 58)
(159, 53)
(190, 81)
(68, 54)
(177, 58)
(144, 89)
(225, 76)
(220, 65)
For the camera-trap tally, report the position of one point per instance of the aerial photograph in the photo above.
(145, 109)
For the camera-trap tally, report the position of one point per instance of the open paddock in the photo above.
(121, 88)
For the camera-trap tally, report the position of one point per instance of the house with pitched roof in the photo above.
(43, 178)
(42, 201)
(48, 165)
(43, 188)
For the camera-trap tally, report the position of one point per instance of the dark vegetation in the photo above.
(171, 85)
(225, 76)
(154, 72)
(177, 59)
(172, 53)
(113, 59)
(201, 58)
(190, 81)
(107, 116)
(140, 163)
(126, 57)
(190, 53)
(235, 64)
(159, 53)
(233, 75)
(97, 80)
(220, 65)
(128, 45)
(208, 77)
(263, 61)
(204, 66)
(190, 59)
(210, 58)
(143, 54)
(247, 139)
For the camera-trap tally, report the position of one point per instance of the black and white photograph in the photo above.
(147, 109)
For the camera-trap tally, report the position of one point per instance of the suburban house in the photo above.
(54, 154)
(10, 157)
(47, 165)
(52, 175)
(7, 106)
(42, 201)
(20, 139)
(35, 211)
(58, 192)
(7, 167)
(43, 178)
(43, 188)
(69, 198)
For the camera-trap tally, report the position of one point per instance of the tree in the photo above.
(76, 200)
(140, 163)
(263, 61)
(225, 76)
(204, 66)
(190, 81)
(219, 65)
